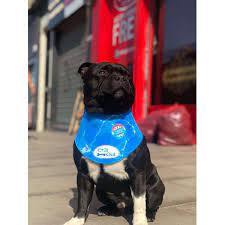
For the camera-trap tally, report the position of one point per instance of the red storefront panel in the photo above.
(144, 33)
(101, 49)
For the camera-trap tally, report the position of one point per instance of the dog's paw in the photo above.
(151, 215)
(140, 221)
(75, 221)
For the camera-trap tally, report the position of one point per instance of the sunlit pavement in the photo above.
(52, 183)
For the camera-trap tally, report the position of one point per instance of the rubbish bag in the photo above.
(174, 127)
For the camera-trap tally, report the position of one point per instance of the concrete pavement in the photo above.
(52, 184)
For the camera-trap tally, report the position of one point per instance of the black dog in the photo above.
(131, 183)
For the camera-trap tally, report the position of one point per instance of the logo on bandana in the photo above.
(118, 130)
(106, 152)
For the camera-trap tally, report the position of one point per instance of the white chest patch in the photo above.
(116, 170)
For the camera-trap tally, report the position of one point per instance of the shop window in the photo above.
(178, 68)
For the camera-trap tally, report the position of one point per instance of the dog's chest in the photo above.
(116, 170)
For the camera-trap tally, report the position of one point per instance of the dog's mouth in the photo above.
(119, 94)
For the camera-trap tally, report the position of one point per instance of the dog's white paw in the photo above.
(75, 221)
(140, 221)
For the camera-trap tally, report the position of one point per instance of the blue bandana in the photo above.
(107, 139)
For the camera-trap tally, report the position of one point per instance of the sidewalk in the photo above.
(52, 183)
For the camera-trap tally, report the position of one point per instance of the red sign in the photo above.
(123, 16)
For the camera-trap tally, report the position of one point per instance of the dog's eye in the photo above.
(102, 73)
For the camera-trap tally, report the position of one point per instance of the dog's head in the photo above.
(108, 87)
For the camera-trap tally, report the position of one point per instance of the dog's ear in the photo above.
(84, 68)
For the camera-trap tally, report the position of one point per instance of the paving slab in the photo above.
(52, 183)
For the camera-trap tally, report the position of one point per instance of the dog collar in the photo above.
(107, 139)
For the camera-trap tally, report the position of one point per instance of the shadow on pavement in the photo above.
(95, 204)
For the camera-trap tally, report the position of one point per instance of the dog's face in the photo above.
(108, 87)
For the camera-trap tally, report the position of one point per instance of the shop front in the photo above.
(156, 40)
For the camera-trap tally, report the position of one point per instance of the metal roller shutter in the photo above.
(71, 52)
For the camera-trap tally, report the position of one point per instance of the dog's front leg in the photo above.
(138, 191)
(85, 188)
